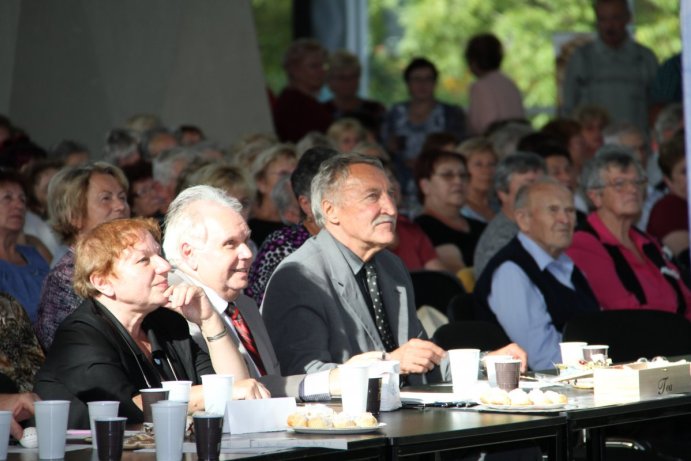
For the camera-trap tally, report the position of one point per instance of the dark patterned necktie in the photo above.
(379, 315)
(245, 336)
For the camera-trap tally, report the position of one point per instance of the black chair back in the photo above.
(632, 334)
(434, 288)
(461, 308)
(475, 334)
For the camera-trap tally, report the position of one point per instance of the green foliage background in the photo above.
(439, 30)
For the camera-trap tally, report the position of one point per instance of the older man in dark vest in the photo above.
(530, 287)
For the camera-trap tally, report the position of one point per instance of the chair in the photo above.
(474, 334)
(434, 288)
(631, 334)
(461, 308)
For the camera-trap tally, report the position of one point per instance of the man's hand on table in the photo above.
(516, 352)
(417, 356)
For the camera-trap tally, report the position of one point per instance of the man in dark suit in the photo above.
(206, 241)
(341, 295)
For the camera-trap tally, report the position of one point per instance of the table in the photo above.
(595, 417)
(418, 431)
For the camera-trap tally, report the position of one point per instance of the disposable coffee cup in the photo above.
(571, 352)
(489, 361)
(178, 391)
(508, 374)
(51, 427)
(169, 423)
(208, 431)
(374, 395)
(150, 396)
(5, 422)
(110, 433)
(218, 391)
(595, 353)
(465, 364)
(354, 383)
(101, 409)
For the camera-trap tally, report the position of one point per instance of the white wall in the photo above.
(76, 68)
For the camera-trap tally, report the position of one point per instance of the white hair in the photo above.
(183, 222)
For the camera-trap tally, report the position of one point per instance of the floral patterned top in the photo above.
(58, 299)
(20, 354)
(275, 248)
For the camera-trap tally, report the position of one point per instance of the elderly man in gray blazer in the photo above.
(206, 241)
(341, 295)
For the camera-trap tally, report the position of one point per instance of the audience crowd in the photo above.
(150, 261)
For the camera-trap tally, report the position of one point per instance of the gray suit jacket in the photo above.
(279, 386)
(316, 314)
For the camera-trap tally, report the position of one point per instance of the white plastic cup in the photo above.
(571, 352)
(491, 370)
(101, 409)
(465, 364)
(178, 391)
(51, 427)
(169, 423)
(218, 391)
(354, 382)
(5, 422)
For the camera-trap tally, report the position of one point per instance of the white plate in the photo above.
(525, 408)
(339, 431)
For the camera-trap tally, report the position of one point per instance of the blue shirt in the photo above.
(24, 282)
(521, 309)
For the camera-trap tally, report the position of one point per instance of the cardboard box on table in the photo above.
(635, 381)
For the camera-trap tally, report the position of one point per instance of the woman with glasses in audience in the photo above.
(442, 180)
(131, 331)
(624, 266)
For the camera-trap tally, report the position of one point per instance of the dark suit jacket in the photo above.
(94, 358)
(316, 314)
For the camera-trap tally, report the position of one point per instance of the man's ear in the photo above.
(330, 212)
(523, 218)
(189, 255)
(102, 284)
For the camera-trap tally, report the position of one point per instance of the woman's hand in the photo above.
(191, 302)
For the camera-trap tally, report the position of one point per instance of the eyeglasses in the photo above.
(619, 184)
(450, 176)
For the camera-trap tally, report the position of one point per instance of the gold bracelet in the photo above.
(218, 336)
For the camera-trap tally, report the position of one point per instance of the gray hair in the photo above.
(330, 178)
(181, 222)
(669, 118)
(613, 133)
(606, 157)
(505, 139)
(120, 143)
(518, 162)
(163, 164)
(312, 139)
(283, 196)
(523, 195)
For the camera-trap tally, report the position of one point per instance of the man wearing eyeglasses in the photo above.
(625, 267)
(530, 287)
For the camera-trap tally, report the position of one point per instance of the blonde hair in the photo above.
(343, 125)
(67, 193)
(343, 60)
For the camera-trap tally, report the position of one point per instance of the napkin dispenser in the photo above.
(261, 415)
(389, 371)
(641, 380)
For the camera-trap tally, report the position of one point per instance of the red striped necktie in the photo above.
(245, 336)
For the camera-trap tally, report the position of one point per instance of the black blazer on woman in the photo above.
(94, 358)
